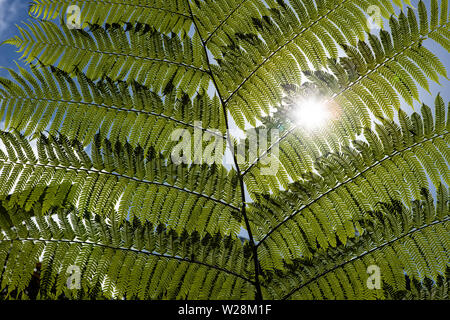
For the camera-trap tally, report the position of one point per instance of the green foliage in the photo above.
(87, 178)
(395, 239)
(324, 208)
(152, 59)
(166, 16)
(117, 179)
(125, 112)
(118, 260)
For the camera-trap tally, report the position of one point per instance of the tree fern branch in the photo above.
(180, 64)
(131, 250)
(350, 86)
(121, 3)
(124, 177)
(365, 253)
(281, 47)
(160, 115)
(347, 181)
(384, 63)
(223, 21)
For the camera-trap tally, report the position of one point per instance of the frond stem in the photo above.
(257, 284)
(132, 250)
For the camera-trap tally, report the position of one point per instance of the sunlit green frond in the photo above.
(426, 290)
(395, 242)
(369, 83)
(49, 99)
(166, 16)
(120, 180)
(117, 260)
(119, 158)
(273, 51)
(132, 53)
(324, 208)
(219, 19)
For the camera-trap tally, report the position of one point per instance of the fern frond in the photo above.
(370, 82)
(395, 239)
(135, 53)
(128, 112)
(165, 16)
(97, 186)
(255, 65)
(120, 180)
(126, 260)
(426, 290)
(324, 208)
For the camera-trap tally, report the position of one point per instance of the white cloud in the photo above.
(8, 12)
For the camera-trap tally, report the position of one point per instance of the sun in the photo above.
(312, 113)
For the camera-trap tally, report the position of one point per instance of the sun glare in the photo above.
(312, 113)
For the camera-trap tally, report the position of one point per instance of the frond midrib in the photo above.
(150, 113)
(159, 255)
(115, 174)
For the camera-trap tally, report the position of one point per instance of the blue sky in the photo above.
(13, 12)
